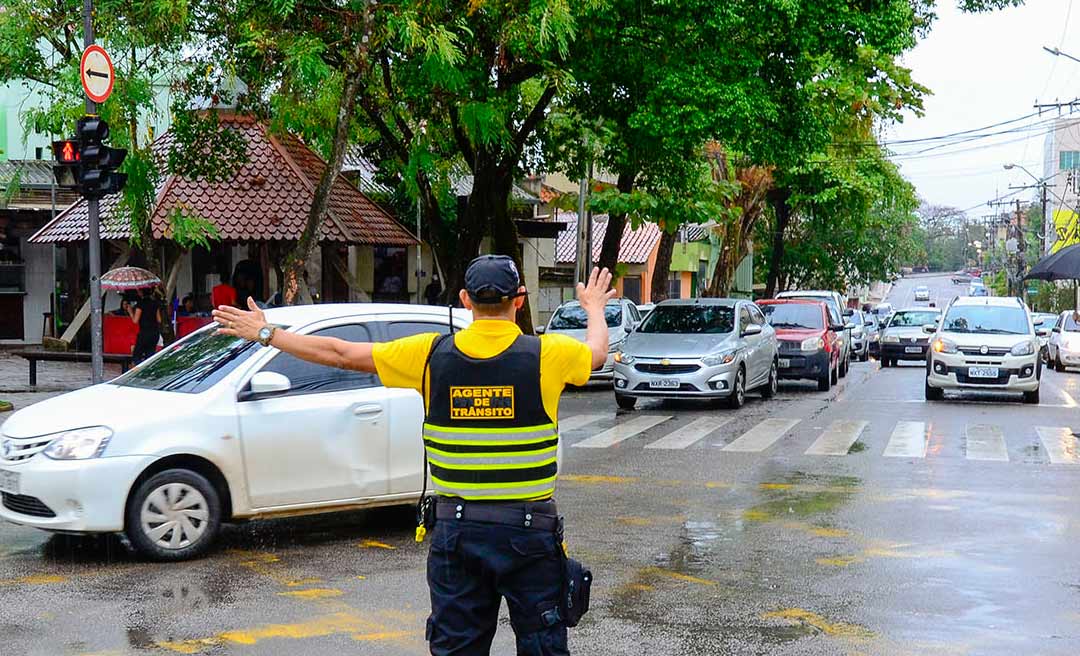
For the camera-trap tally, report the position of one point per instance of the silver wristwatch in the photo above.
(266, 334)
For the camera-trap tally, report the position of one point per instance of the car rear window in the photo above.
(987, 320)
(794, 315)
(714, 319)
(572, 317)
(913, 318)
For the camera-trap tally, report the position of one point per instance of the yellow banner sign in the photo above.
(1066, 229)
(482, 402)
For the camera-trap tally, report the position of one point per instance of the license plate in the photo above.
(9, 482)
(664, 383)
(784, 364)
(913, 349)
(983, 372)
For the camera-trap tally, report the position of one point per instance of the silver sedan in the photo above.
(698, 348)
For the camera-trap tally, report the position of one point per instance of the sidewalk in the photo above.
(54, 378)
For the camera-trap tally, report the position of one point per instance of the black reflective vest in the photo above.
(487, 434)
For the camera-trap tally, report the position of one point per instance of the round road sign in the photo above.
(96, 71)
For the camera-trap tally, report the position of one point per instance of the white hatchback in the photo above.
(214, 428)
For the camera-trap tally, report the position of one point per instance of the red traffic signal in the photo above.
(66, 151)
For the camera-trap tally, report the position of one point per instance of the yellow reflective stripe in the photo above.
(493, 486)
(492, 454)
(504, 497)
(531, 440)
(490, 431)
(505, 465)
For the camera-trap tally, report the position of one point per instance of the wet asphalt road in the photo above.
(893, 546)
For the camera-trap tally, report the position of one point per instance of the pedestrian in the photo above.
(433, 290)
(223, 293)
(146, 313)
(496, 532)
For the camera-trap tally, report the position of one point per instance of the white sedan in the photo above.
(922, 293)
(214, 428)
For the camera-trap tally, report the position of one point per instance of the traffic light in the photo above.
(66, 156)
(98, 162)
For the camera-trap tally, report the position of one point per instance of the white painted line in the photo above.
(985, 442)
(908, 440)
(681, 438)
(1070, 402)
(1061, 444)
(623, 431)
(762, 436)
(837, 438)
(579, 421)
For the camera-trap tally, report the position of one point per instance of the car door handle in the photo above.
(369, 410)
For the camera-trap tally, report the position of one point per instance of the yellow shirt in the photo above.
(563, 360)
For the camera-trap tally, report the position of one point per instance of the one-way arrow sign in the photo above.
(97, 74)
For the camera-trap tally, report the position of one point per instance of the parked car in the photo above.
(621, 315)
(922, 293)
(809, 346)
(1063, 347)
(883, 311)
(984, 344)
(860, 344)
(645, 308)
(1044, 320)
(873, 334)
(698, 348)
(903, 338)
(977, 289)
(215, 428)
(839, 314)
(961, 277)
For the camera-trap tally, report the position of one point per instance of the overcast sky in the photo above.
(984, 69)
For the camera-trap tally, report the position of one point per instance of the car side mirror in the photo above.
(1042, 332)
(849, 312)
(930, 328)
(1056, 329)
(836, 327)
(1039, 322)
(752, 329)
(539, 330)
(849, 326)
(265, 384)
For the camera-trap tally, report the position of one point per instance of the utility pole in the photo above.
(97, 363)
(1020, 255)
(584, 231)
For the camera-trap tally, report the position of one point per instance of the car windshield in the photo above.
(794, 315)
(690, 319)
(572, 317)
(913, 319)
(987, 319)
(191, 366)
(827, 300)
(1071, 323)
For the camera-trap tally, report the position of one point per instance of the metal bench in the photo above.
(34, 356)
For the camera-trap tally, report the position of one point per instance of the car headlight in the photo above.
(942, 345)
(890, 339)
(1024, 348)
(812, 344)
(614, 348)
(79, 444)
(624, 358)
(714, 359)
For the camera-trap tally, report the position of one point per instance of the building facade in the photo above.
(1061, 171)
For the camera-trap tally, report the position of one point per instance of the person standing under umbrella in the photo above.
(146, 313)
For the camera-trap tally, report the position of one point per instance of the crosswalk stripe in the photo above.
(837, 438)
(623, 431)
(985, 442)
(762, 436)
(578, 421)
(908, 440)
(689, 434)
(1061, 444)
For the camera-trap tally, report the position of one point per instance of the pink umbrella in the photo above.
(129, 277)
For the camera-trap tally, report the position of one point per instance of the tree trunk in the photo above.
(663, 267)
(779, 199)
(504, 238)
(616, 224)
(309, 239)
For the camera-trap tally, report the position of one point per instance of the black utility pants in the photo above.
(472, 566)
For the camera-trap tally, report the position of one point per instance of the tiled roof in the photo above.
(268, 198)
(365, 171)
(31, 172)
(635, 248)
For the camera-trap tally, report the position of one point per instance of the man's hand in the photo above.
(595, 294)
(239, 323)
(593, 297)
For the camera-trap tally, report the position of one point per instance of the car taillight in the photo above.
(828, 344)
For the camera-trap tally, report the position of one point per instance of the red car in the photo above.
(808, 346)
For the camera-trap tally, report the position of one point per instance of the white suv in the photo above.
(984, 343)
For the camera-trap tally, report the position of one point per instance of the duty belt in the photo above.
(540, 515)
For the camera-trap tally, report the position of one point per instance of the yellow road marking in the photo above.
(679, 576)
(383, 635)
(35, 579)
(312, 593)
(801, 616)
(368, 544)
(584, 478)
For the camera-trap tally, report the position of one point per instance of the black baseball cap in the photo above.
(492, 279)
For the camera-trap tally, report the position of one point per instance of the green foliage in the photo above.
(189, 230)
(204, 149)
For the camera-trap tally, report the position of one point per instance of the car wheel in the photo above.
(834, 373)
(768, 390)
(738, 390)
(844, 365)
(866, 356)
(885, 362)
(1032, 398)
(1059, 366)
(826, 380)
(933, 393)
(625, 402)
(173, 515)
